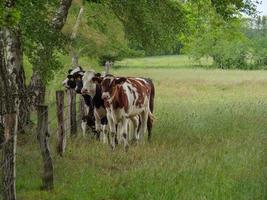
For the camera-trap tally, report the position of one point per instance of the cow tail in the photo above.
(151, 109)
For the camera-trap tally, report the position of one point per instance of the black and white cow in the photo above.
(94, 91)
(73, 81)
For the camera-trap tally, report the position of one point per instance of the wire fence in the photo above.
(8, 146)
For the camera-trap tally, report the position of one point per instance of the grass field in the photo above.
(172, 61)
(209, 142)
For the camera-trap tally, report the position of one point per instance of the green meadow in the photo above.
(209, 141)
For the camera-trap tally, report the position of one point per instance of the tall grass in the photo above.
(209, 142)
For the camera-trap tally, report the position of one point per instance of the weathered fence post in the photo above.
(9, 156)
(42, 136)
(61, 136)
(82, 110)
(72, 124)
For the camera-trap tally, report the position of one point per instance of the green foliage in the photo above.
(212, 36)
(229, 9)
(119, 55)
(151, 25)
(256, 31)
(40, 42)
(260, 51)
(9, 17)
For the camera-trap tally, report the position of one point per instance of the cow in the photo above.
(73, 81)
(94, 91)
(125, 99)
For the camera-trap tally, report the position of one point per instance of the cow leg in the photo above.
(84, 127)
(135, 122)
(119, 133)
(124, 124)
(112, 131)
(143, 127)
(105, 132)
(97, 125)
(149, 127)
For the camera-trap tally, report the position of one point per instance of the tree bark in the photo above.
(36, 90)
(2, 73)
(14, 60)
(43, 138)
(9, 158)
(61, 135)
(11, 78)
(61, 14)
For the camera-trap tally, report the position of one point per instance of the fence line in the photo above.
(42, 130)
(43, 138)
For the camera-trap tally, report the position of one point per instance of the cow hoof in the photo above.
(126, 148)
(112, 147)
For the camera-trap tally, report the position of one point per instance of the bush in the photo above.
(260, 50)
(119, 55)
(230, 54)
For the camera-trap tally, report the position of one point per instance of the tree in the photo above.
(212, 34)
(11, 73)
(151, 25)
(41, 46)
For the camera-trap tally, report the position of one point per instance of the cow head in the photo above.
(89, 82)
(109, 85)
(74, 79)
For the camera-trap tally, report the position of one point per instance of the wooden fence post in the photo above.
(61, 136)
(72, 124)
(9, 156)
(42, 136)
(82, 110)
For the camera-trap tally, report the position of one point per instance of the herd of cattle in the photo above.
(119, 108)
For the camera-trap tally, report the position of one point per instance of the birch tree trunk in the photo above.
(11, 78)
(2, 86)
(61, 14)
(14, 59)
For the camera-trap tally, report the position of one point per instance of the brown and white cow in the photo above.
(125, 99)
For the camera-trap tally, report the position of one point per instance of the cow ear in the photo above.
(97, 79)
(120, 80)
(70, 70)
(98, 75)
(81, 69)
(70, 76)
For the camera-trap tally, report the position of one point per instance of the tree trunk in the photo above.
(61, 14)
(14, 60)
(43, 138)
(9, 158)
(10, 78)
(2, 87)
(36, 90)
(2, 72)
